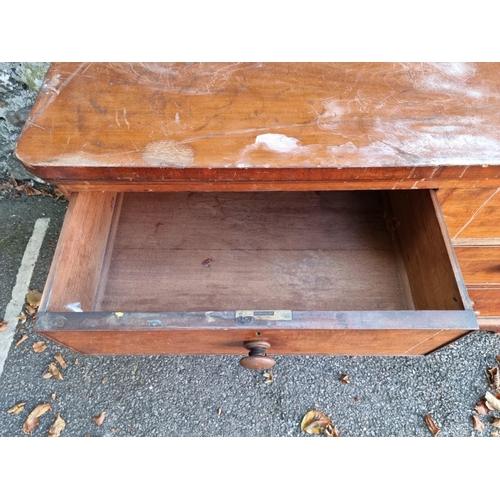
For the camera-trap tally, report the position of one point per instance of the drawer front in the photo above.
(352, 272)
(471, 214)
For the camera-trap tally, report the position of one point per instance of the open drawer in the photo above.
(337, 272)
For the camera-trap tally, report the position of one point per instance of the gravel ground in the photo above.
(212, 395)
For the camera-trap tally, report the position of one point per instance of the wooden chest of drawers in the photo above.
(313, 208)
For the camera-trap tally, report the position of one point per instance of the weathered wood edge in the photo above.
(226, 320)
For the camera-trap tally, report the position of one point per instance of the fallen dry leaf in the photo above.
(33, 298)
(53, 372)
(16, 408)
(432, 425)
(498, 358)
(315, 422)
(30, 310)
(22, 318)
(492, 402)
(21, 340)
(58, 193)
(99, 419)
(58, 357)
(331, 431)
(32, 421)
(269, 376)
(477, 424)
(57, 427)
(345, 379)
(495, 433)
(494, 378)
(3, 326)
(481, 408)
(39, 346)
(104, 380)
(28, 190)
(495, 422)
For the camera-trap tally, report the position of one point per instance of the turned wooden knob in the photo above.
(257, 358)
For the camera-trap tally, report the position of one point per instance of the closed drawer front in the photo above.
(358, 272)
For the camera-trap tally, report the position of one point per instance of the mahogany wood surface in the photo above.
(219, 251)
(76, 268)
(102, 129)
(471, 213)
(141, 122)
(350, 341)
(433, 272)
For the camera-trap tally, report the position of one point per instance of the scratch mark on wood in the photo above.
(53, 97)
(476, 213)
(125, 118)
(423, 341)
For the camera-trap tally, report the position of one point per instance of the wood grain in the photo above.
(145, 121)
(300, 251)
(470, 213)
(76, 268)
(433, 272)
(480, 265)
(82, 333)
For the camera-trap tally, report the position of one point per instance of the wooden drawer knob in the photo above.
(257, 358)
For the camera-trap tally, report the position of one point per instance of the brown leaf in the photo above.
(58, 193)
(315, 422)
(39, 346)
(477, 424)
(28, 190)
(57, 427)
(99, 419)
(32, 421)
(33, 298)
(21, 340)
(432, 425)
(494, 378)
(30, 310)
(331, 431)
(269, 376)
(481, 408)
(3, 326)
(495, 423)
(498, 358)
(345, 379)
(58, 357)
(16, 408)
(492, 402)
(495, 433)
(54, 372)
(22, 318)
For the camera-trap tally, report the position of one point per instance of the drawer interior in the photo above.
(296, 251)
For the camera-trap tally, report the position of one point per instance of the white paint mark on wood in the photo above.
(74, 307)
(21, 287)
(278, 142)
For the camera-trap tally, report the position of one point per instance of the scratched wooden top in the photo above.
(257, 116)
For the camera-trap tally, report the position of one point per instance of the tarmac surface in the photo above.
(213, 395)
